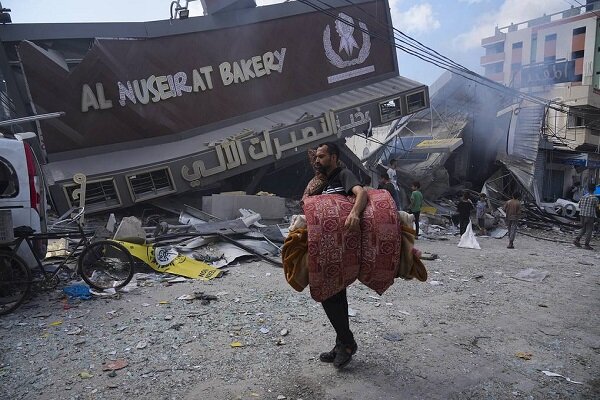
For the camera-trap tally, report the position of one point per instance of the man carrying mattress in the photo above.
(340, 181)
(346, 234)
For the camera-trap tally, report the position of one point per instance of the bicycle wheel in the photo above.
(15, 281)
(106, 264)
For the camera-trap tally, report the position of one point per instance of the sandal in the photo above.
(329, 356)
(343, 357)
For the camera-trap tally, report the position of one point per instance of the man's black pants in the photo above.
(336, 308)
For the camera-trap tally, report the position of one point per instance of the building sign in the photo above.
(128, 90)
(576, 159)
(271, 145)
(548, 74)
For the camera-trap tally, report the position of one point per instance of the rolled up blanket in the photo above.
(294, 254)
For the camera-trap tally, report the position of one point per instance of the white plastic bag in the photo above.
(468, 240)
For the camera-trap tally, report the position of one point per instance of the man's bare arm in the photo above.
(353, 220)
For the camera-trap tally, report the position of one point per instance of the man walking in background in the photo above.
(384, 183)
(513, 212)
(416, 202)
(588, 205)
(464, 207)
(393, 177)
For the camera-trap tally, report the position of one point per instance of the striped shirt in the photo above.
(341, 183)
(588, 205)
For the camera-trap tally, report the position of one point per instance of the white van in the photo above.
(22, 192)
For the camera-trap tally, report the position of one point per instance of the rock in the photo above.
(141, 345)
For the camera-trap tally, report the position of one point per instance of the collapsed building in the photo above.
(227, 101)
(554, 58)
(538, 141)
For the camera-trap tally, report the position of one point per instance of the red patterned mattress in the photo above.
(337, 257)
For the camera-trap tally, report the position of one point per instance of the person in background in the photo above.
(574, 193)
(416, 202)
(391, 172)
(588, 205)
(513, 212)
(464, 206)
(384, 183)
(393, 176)
(481, 208)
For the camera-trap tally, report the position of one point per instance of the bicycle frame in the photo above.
(28, 239)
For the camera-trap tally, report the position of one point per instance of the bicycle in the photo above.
(102, 264)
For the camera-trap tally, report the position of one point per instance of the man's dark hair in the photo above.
(416, 184)
(591, 187)
(332, 149)
(392, 161)
(516, 195)
(367, 180)
(384, 175)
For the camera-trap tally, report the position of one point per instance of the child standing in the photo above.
(416, 201)
(481, 208)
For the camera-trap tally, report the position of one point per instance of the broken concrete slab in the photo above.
(130, 230)
(226, 206)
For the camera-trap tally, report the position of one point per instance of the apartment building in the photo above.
(555, 57)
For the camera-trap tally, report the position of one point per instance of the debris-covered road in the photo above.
(477, 333)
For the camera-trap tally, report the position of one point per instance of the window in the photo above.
(151, 184)
(99, 195)
(577, 54)
(9, 181)
(415, 102)
(494, 49)
(575, 121)
(533, 48)
(518, 45)
(390, 110)
(579, 31)
(551, 37)
(494, 68)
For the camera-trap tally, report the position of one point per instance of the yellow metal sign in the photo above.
(438, 145)
(181, 265)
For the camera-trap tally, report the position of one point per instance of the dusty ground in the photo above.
(457, 340)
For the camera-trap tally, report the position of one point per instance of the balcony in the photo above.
(582, 136)
(498, 37)
(492, 59)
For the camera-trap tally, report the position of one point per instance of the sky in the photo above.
(453, 28)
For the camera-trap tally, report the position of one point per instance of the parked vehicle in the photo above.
(22, 191)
